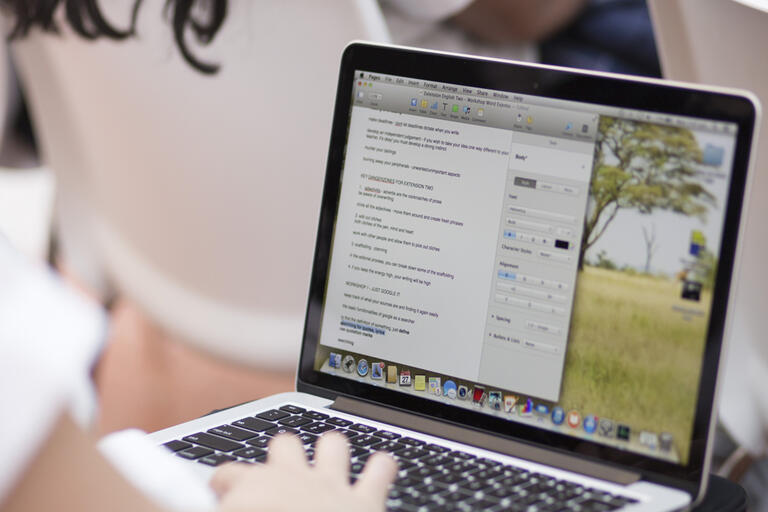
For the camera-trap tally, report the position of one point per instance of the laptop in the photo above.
(520, 286)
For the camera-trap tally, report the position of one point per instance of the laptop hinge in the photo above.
(486, 441)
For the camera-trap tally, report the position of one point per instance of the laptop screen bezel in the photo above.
(623, 92)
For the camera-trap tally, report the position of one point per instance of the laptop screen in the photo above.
(544, 261)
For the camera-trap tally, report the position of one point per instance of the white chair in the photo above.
(197, 196)
(722, 42)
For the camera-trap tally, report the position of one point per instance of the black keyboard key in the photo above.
(261, 442)
(511, 470)
(356, 468)
(489, 462)
(388, 446)
(454, 496)
(525, 499)
(281, 430)
(405, 464)
(417, 500)
(408, 481)
(355, 451)
(412, 453)
(499, 492)
(430, 489)
(216, 459)
(176, 445)
(479, 503)
(294, 421)
(233, 433)
(385, 434)
(470, 470)
(307, 438)
(437, 448)
(194, 453)
(317, 416)
(486, 474)
(339, 422)
(422, 471)
(460, 467)
(273, 415)
(364, 440)
(437, 460)
(254, 424)
(514, 479)
(462, 455)
(348, 433)
(464, 467)
(318, 428)
(365, 429)
(449, 478)
(474, 485)
(215, 442)
(412, 442)
(249, 453)
(292, 409)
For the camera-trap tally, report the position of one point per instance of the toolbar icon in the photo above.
(449, 389)
(478, 395)
(434, 386)
(558, 415)
(590, 424)
(510, 404)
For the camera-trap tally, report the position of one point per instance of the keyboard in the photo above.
(431, 477)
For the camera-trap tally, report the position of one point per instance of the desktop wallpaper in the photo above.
(644, 288)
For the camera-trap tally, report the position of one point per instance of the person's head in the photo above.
(201, 18)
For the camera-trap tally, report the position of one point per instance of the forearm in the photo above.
(69, 474)
(517, 20)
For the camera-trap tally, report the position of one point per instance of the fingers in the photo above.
(287, 451)
(227, 476)
(332, 456)
(379, 472)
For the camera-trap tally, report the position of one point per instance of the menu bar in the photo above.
(475, 106)
(485, 98)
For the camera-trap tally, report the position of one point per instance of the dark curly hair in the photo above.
(203, 17)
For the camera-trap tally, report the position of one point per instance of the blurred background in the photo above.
(173, 170)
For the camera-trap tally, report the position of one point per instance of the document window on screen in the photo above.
(544, 261)
(482, 206)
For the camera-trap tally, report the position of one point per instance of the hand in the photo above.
(288, 482)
